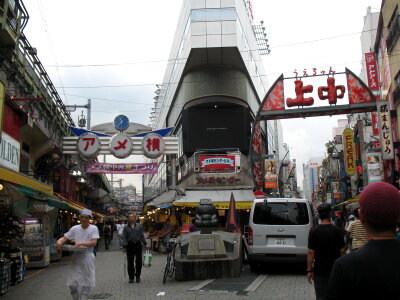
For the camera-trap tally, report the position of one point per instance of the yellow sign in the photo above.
(218, 205)
(349, 154)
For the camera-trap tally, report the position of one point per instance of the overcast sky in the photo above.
(115, 52)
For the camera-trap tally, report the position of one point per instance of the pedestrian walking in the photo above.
(357, 231)
(133, 241)
(372, 272)
(325, 245)
(81, 277)
(107, 235)
(120, 230)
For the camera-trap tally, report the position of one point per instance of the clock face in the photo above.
(121, 122)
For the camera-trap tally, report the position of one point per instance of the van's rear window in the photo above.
(280, 213)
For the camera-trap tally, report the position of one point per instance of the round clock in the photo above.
(121, 122)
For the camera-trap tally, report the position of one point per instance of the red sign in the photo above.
(223, 162)
(153, 145)
(372, 71)
(259, 194)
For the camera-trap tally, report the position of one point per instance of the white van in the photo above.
(278, 230)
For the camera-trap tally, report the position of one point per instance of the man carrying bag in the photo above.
(133, 241)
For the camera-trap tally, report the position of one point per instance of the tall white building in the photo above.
(311, 173)
(211, 92)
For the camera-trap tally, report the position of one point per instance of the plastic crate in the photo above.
(5, 275)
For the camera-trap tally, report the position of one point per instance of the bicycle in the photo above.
(169, 269)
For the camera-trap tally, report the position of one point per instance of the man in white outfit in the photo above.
(81, 277)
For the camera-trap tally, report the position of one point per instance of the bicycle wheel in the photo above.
(166, 270)
(171, 268)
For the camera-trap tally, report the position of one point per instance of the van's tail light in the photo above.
(250, 234)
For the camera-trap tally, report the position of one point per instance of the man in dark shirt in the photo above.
(133, 240)
(372, 271)
(325, 245)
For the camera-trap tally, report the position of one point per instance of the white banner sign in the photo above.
(9, 152)
(385, 131)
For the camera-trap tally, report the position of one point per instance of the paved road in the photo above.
(111, 283)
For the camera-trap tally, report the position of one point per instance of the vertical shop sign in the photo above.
(375, 168)
(372, 71)
(9, 152)
(385, 129)
(375, 128)
(349, 154)
(270, 179)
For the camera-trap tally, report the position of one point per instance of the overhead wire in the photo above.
(184, 58)
(203, 81)
(46, 30)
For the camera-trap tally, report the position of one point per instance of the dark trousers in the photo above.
(134, 257)
(321, 286)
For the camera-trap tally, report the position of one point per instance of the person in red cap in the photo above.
(372, 271)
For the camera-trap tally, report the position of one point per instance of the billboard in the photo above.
(217, 163)
(374, 167)
(216, 127)
(349, 154)
(270, 179)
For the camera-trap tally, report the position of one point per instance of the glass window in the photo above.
(213, 14)
(280, 213)
(228, 14)
(198, 15)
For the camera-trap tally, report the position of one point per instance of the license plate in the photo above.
(280, 242)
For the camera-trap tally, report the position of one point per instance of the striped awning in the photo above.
(220, 198)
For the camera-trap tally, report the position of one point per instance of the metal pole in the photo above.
(173, 171)
(89, 105)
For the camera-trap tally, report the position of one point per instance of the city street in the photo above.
(112, 283)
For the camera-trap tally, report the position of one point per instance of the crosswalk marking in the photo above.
(256, 283)
(201, 285)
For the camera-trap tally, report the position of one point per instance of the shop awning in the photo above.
(77, 206)
(21, 179)
(163, 200)
(354, 199)
(220, 198)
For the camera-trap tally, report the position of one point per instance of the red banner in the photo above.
(372, 71)
(226, 162)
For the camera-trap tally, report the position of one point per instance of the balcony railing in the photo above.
(394, 32)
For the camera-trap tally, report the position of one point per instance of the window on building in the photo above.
(213, 14)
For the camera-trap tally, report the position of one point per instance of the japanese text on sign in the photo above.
(88, 145)
(372, 71)
(217, 162)
(329, 92)
(103, 168)
(384, 129)
(153, 145)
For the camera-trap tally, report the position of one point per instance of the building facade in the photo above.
(210, 94)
